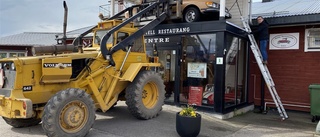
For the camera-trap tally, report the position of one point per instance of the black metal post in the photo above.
(219, 73)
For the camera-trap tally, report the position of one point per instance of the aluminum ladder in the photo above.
(265, 72)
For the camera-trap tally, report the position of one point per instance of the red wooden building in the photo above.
(294, 51)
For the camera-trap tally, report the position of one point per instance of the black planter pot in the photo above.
(188, 126)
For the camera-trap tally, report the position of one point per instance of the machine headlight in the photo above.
(59, 41)
(13, 67)
(212, 4)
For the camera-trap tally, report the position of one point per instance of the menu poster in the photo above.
(197, 70)
(195, 95)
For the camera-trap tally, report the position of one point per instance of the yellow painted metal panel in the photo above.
(56, 70)
(134, 69)
(16, 108)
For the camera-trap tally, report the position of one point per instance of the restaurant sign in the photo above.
(284, 41)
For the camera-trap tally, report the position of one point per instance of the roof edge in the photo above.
(291, 20)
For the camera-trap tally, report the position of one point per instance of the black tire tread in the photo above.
(50, 121)
(134, 95)
(198, 14)
(20, 123)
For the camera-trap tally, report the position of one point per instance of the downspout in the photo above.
(250, 12)
(222, 9)
(112, 7)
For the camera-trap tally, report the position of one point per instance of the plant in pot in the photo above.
(188, 122)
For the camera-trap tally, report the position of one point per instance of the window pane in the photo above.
(197, 69)
(314, 33)
(120, 37)
(3, 55)
(138, 45)
(99, 35)
(12, 54)
(21, 54)
(313, 38)
(235, 74)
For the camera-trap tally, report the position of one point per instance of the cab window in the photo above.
(138, 45)
(121, 36)
(99, 35)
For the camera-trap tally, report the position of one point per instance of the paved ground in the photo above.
(118, 122)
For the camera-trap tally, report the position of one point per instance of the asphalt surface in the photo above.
(118, 122)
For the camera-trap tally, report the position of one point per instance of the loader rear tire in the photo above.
(19, 123)
(70, 113)
(145, 95)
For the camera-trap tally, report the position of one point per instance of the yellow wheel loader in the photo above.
(63, 90)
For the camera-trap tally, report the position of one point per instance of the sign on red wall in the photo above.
(195, 95)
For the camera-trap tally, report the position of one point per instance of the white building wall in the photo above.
(244, 9)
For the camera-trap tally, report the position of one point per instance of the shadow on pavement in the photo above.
(118, 122)
(34, 130)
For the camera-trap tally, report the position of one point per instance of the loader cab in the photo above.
(98, 34)
(118, 36)
(138, 45)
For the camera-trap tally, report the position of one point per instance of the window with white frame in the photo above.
(312, 39)
(8, 54)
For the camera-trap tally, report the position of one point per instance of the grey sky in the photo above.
(18, 16)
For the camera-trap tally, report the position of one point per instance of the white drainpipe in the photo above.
(112, 8)
(222, 8)
(250, 11)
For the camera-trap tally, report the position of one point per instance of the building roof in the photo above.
(284, 8)
(29, 39)
(77, 32)
(40, 38)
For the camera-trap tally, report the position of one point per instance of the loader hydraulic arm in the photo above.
(129, 40)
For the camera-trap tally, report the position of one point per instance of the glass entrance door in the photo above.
(169, 54)
(168, 70)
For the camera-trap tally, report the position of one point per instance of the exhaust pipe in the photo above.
(64, 39)
(60, 47)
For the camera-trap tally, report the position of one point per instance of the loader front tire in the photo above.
(145, 95)
(19, 123)
(70, 113)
